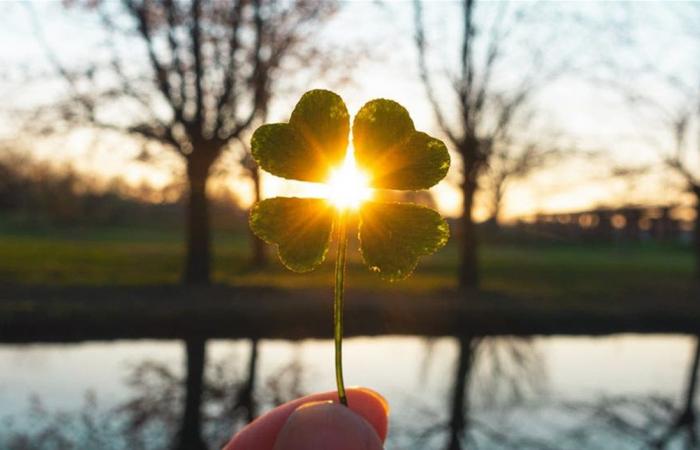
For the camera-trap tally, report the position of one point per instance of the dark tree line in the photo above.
(41, 194)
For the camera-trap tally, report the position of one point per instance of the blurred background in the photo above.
(137, 310)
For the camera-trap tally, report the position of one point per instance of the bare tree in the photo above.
(482, 128)
(678, 161)
(666, 96)
(208, 75)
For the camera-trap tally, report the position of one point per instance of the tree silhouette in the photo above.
(482, 129)
(494, 369)
(686, 419)
(208, 74)
(459, 411)
(678, 162)
(665, 99)
(190, 433)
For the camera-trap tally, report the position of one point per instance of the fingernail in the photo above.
(383, 401)
(311, 404)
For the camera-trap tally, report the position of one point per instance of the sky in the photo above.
(576, 110)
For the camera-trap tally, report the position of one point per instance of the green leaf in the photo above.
(280, 150)
(323, 120)
(313, 142)
(394, 155)
(380, 126)
(300, 227)
(394, 235)
(419, 164)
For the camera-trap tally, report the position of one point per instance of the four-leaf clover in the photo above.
(387, 148)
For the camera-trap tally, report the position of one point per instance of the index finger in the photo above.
(262, 432)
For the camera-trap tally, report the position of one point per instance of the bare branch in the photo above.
(227, 98)
(683, 171)
(158, 133)
(127, 86)
(174, 46)
(425, 74)
(496, 37)
(200, 61)
(196, 43)
(68, 77)
(464, 84)
(160, 69)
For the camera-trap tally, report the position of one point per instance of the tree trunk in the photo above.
(259, 257)
(459, 416)
(688, 418)
(685, 421)
(691, 387)
(190, 435)
(248, 390)
(696, 237)
(492, 221)
(498, 186)
(468, 270)
(197, 264)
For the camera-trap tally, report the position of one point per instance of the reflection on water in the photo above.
(646, 421)
(223, 398)
(489, 372)
(453, 393)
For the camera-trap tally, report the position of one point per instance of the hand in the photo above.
(318, 421)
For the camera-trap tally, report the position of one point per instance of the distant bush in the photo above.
(37, 193)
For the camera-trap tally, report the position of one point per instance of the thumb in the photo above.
(327, 425)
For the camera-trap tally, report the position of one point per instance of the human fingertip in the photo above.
(377, 396)
(262, 433)
(327, 425)
(372, 406)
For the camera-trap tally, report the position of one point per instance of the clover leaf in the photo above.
(387, 147)
(394, 235)
(313, 142)
(301, 228)
(393, 154)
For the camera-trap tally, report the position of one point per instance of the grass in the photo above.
(98, 283)
(551, 272)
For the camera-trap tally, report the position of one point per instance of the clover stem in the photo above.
(338, 303)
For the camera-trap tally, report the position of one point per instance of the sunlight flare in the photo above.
(348, 186)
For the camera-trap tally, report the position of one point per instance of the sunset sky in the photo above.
(579, 109)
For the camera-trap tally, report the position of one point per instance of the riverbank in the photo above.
(68, 314)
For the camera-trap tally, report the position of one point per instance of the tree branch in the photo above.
(174, 46)
(143, 26)
(227, 98)
(492, 53)
(464, 85)
(196, 42)
(425, 74)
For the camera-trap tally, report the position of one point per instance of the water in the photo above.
(620, 391)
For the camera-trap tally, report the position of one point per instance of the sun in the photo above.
(348, 186)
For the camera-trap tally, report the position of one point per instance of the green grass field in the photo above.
(107, 283)
(548, 272)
